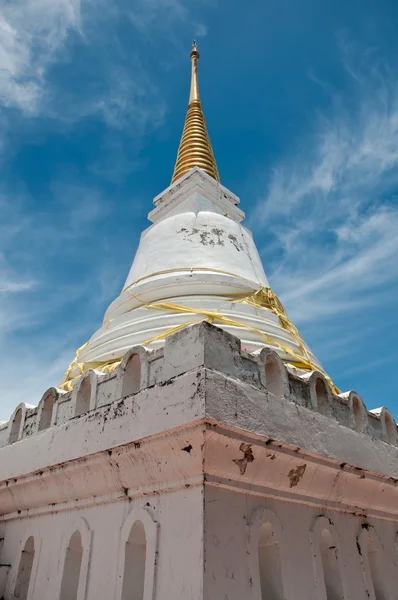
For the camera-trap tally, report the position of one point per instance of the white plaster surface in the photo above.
(208, 452)
(191, 349)
(232, 566)
(197, 192)
(195, 255)
(177, 550)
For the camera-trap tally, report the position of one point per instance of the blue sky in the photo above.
(301, 101)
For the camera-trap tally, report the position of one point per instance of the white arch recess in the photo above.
(318, 526)
(368, 531)
(151, 533)
(37, 549)
(390, 427)
(22, 407)
(144, 375)
(322, 398)
(265, 358)
(82, 526)
(53, 393)
(260, 517)
(274, 375)
(92, 377)
(358, 412)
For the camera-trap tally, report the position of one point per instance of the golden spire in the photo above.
(195, 148)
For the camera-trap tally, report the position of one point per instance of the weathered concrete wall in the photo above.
(207, 346)
(177, 550)
(232, 560)
(208, 444)
(203, 508)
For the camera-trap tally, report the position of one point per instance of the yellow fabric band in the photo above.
(262, 298)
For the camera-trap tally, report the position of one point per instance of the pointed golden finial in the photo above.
(195, 148)
(194, 93)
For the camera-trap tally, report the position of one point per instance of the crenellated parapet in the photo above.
(199, 346)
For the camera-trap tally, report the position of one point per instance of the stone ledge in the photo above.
(202, 453)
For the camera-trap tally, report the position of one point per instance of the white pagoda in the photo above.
(196, 449)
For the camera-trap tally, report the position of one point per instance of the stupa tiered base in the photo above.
(196, 262)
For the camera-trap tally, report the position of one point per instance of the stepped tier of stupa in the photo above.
(195, 262)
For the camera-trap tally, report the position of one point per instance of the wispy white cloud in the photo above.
(320, 278)
(47, 307)
(12, 287)
(57, 255)
(129, 96)
(331, 214)
(332, 206)
(146, 14)
(201, 30)
(368, 366)
(161, 17)
(37, 36)
(32, 32)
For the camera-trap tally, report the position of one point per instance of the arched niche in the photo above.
(266, 564)
(76, 550)
(373, 563)
(390, 428)
(269, 564)
(72, 568)
(388, 425)
(359, 412)
(46, 409)
(274, 376)
(132, 376)
(16, 423)
(83, 394)
(23, 580)
(137, 557)
(321, 396)
(273, 373)
(133, 372)
(134, 563)
(327, 565)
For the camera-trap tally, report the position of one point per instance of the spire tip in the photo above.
(194, 51)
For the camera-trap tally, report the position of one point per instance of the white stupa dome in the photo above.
(196, 262)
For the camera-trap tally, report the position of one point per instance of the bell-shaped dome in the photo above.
(196, 262)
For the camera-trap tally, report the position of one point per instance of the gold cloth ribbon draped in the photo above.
(69, 379)
(262, 298)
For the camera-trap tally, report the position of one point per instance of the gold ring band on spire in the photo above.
(195, 148)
